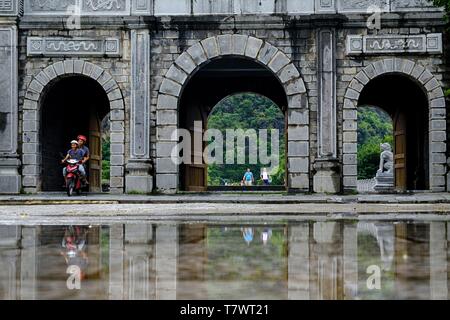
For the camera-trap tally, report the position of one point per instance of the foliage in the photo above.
(246, 111)
(443, 3)
(374, 127)
(106, 156)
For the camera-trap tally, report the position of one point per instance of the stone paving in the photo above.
(235, 198)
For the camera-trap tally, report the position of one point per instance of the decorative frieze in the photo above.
(430, 43)
(87, 7)
(37, 46)
(362, 6)
(10, 7)
(413, 5)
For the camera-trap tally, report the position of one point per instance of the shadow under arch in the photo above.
(65, 113)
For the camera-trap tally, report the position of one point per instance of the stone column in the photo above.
(139, 167)
(298, 262)
(28, 261)
(10, 180)
(327, 177)
(116, 265)
(139, 256)
(350, 261)
(438, 261)
(166, 262)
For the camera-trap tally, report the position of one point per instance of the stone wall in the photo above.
(329, 50)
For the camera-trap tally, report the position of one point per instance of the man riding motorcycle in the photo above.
(86, 155)
(74, 153)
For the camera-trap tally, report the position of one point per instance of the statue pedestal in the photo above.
(384, 182)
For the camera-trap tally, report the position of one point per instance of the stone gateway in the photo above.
(152, 67)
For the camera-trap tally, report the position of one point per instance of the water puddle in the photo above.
(295, 260)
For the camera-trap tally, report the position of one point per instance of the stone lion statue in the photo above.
(386, 159)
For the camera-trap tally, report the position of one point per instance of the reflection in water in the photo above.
(304, 260)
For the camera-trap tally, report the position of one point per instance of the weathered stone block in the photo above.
(298, 149)
(166, 182)
(167, 117)
(298, 133)
(170, 87)
(298, 165)
(296, 86)
(266, 53)
(197, 53)
(278, 62)
(253, 47)
(211, 47)
(225, 44)
(186, 63)
(166, 102)
(176, 74)
(239, 44)
(288, 73)
(299, 181)
(298, 116)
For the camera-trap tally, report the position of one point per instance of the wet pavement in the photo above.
(227, 198)
(266, 257)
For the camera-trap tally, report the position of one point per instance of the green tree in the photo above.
(374, 127)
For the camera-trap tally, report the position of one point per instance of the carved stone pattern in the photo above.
(76, 46)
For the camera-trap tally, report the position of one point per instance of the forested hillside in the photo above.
(246, 111)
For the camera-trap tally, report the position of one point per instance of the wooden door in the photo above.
(400, 160)
(196, 173)
(95, 147)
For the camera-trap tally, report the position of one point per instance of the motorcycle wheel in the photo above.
(70, 187)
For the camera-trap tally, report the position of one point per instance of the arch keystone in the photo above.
(239, 44)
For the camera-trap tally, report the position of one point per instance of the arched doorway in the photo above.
(212, 83)
(254, 64)
(71, 106)
(407, 104)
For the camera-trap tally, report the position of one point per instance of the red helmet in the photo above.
(83, 138)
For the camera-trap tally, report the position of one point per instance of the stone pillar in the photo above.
(298, 262)
(350, 261)
(116, 264)
(327, 176)
(166, 262)
(139, 167)
(28, 261)
(438, 261)
(139, 254)
(10, 180)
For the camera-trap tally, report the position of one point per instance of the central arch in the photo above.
(253, 52)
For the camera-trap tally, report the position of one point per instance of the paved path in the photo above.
(226, 198)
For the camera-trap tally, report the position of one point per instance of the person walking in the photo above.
(248, 178)
(265, 176)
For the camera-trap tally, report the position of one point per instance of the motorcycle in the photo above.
(73, 179)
